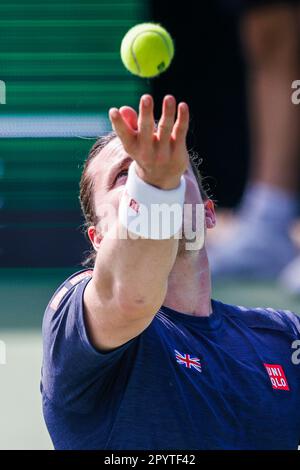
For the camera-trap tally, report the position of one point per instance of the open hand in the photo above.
(161, 154)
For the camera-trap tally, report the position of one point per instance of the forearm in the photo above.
(134, 272)
(140, 248)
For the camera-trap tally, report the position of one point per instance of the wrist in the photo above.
(160, 183)
(149, 211)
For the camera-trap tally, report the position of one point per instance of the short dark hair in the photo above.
(87, 186)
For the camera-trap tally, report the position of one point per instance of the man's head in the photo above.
(104, 175)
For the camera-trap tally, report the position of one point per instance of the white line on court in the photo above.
(56, 125)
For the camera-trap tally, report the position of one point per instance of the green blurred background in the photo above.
(61, 64)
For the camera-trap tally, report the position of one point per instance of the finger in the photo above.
(130, 116)
(146, 118)
(166, 121)
(182, 123)
(125, 133)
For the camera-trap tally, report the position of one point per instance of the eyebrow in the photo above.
(121, 163)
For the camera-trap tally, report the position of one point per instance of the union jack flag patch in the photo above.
(188, 361)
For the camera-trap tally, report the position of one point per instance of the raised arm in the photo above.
(130, 277)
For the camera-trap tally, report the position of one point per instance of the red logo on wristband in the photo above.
(132, 202)
(134, 205)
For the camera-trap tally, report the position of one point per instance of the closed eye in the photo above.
(122, 173)
(119, 171)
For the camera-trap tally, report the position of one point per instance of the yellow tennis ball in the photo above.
(147, 50)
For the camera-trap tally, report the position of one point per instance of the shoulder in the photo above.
(66, 301)
(68, 287)
(264, 318)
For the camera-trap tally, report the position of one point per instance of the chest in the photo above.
(238, 383)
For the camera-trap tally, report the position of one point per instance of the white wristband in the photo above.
(150, 212)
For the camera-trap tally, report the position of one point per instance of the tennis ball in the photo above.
(147, 50)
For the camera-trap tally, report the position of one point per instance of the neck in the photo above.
(189, 284)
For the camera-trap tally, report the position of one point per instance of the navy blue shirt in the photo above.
(226, 381)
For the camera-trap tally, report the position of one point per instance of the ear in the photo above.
(94, 237)
(210, 214)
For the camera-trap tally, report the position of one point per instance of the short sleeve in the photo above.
(74, 373)
(293, 322)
